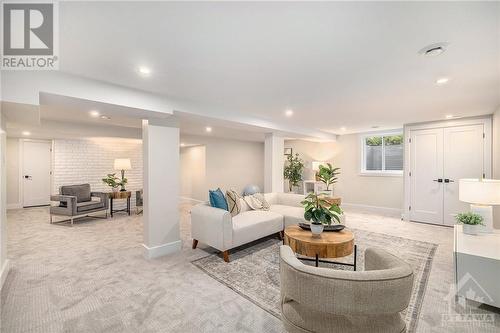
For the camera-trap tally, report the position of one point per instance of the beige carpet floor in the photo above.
(92, 278)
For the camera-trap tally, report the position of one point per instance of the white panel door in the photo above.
(463, 158)
(36, 173)
(426, 167)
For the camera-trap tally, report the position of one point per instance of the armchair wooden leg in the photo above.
(71, 221)
(225, 254)
(195, 243)
(50, 218)
(280, 235)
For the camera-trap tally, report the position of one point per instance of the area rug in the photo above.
(254, 269)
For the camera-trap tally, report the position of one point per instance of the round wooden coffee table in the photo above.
(333, 244)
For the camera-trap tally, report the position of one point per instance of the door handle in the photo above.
(446, 180)
(28, 177)
(439, 180)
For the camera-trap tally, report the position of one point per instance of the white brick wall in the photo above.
(90, 160)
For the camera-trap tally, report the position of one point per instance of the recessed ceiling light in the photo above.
(343, 128)
(105, 117)
(289, 113)
(26, 133)
(208, 129)
(442, 80)
(449, 116)
(94, 113)
(434, 50)
(144, 71)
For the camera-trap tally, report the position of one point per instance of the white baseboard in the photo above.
(161, 250)
(4, 272)
(191, 199)
(375, 209)
(14, 206)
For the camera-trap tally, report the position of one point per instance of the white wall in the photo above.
(229, 164)
(89, 160)
(193, 172)
(384, 192)
(4, 263)
(13, 176)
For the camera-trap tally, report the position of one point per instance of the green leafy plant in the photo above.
(293, 170)
(112, 181)
(469, 218)
(318, 210)
(328, 174)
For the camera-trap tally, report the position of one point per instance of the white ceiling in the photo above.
(352, 64)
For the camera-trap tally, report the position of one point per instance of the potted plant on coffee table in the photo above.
(471, 222)
(328, 175)
(320, 212)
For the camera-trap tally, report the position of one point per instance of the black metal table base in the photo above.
(317, 260)
(124, 210)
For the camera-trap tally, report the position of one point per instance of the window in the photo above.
(382, 153)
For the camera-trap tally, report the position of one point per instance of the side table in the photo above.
(119, 195)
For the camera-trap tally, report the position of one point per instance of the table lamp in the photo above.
(481, 194)
(123, 164)
(315, 167)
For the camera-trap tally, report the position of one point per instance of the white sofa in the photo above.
(216, 228)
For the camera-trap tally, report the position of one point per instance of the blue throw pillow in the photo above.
(217, 199)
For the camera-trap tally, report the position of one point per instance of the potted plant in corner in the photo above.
(320, 212)
(114, 182)
(471, 222)
(328, 175)
(293, 171)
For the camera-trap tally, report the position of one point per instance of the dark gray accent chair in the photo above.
(138, 201)
(78, 201)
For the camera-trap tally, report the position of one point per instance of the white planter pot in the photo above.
(115, 189)
(316, 229)
(328, 193)
(470, 229)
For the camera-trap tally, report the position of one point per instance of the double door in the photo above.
(439, 157)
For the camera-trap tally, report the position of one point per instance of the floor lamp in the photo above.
(482, 194)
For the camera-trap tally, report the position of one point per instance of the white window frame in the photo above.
(383, 172)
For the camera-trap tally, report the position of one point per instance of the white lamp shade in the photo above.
(316, 164)
(482, 192)
(122, 164)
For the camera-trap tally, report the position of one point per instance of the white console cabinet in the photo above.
(477, 266)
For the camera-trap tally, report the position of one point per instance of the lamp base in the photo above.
(487, 213)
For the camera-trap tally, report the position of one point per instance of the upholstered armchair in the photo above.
(328, 300)
(77, 201)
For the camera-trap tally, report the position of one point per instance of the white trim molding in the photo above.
(4, 272)
(161, 250)
(192, 199)
(388, 211)
(14, 206)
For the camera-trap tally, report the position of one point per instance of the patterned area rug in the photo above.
(254, 269)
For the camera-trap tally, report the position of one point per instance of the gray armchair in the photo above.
(78, 201)
(328, 300)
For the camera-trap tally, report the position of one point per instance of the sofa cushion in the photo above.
(290, 199)
(292, 215)
(217, 199)
(254, 224)
(89, 205)
(81, 192)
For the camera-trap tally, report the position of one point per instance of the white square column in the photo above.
(274, 147)
(161, 189)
